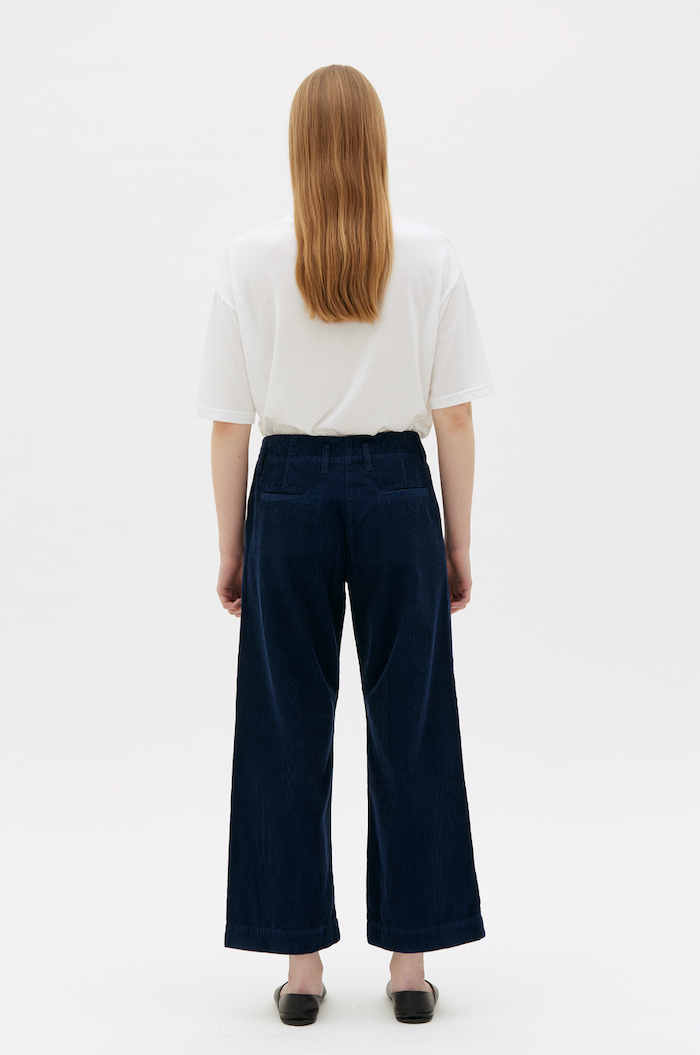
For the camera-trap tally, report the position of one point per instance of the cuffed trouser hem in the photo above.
(426, 939)
(287, 942)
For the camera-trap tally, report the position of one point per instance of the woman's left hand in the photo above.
(228, 587)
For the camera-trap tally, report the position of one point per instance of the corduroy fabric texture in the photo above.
(323, 511)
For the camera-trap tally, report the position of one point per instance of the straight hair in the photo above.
(340, 184)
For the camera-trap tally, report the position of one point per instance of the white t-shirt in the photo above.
(263, 354)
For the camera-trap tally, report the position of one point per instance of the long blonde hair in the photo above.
(340, 183)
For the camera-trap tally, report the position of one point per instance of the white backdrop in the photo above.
(556, 144)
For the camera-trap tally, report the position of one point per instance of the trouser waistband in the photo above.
(301, 443)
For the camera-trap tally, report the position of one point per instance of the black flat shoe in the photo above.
(413, 1005)
(298, 1009)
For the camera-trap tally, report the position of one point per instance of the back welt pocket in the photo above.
(405, 492)
(284, 496)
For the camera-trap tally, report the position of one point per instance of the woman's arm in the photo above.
(229, 465)
(454, 429)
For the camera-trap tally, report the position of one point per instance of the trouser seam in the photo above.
(430, 926)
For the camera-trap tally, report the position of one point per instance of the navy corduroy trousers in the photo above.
(323, 511)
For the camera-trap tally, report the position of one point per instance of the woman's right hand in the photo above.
(459, 574)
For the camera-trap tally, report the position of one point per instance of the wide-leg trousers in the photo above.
(324, 511)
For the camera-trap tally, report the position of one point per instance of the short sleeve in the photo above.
(224, 391)
(460, 371)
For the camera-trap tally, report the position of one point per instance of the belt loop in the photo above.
(290, 444)
(368, 460)
(325, 458)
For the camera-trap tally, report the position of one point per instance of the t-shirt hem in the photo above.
(465, 396)
(234, 417)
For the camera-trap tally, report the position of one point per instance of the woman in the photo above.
(349, 333)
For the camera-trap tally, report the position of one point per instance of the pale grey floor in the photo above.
(573, 993)
(114, 851)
